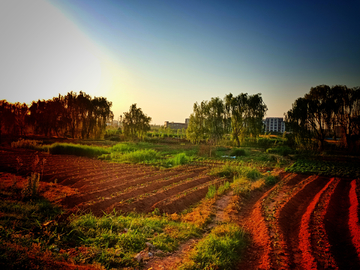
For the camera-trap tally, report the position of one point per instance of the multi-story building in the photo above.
(275, 124)
(175, 126)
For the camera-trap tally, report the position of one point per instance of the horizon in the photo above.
(165, 56)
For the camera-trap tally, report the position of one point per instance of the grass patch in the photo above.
(77, 150)
(221, 249)
(127, 235)
(138, 156)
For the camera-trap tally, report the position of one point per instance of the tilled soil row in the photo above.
(180, 202)
(336, 222)
(306, 222)
(319, 240)
(145, 205)
(127, 190)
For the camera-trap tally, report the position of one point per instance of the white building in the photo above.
(275, 124)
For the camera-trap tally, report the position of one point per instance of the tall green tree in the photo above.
(136, 123)
(244, 115)
(197, 130)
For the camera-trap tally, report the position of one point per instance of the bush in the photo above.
(29, 144)
(282, 150)
(238, 152)
(253, 174)
(271, 180)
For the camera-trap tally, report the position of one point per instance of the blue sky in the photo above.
(167, 55)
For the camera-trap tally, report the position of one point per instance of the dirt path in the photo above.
(175, 259)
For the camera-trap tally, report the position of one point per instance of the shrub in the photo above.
(29, 144)
(238, 152)
(180, 159)
(271, 180)
(281, 150)
(253, 174)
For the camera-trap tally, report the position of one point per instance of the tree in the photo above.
(244, 115)
(136, 123)
(197, 130)
(324, 109)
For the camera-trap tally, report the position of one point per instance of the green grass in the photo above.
(76, 149)
(128, 234)
(138, 156)
(221, 249)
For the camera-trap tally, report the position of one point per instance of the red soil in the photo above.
(354, 224)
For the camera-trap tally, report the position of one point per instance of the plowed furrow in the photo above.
(152, 187)
(111, 178)
(272, 206)
(319, 239)
(290, 218)
(145, 205)
(129, 177)
(337, 228)
(180, 202)
(354, 224)
(107, 192)
(308, 260)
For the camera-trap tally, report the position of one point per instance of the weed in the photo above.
(31, 187)
(211, 192)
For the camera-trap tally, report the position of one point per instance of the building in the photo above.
(274, 124)
(176, 126)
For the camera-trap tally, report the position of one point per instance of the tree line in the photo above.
(239, 116)
(326, 112)
(73, 115)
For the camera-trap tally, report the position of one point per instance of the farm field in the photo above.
(305, 221)
(100, 186)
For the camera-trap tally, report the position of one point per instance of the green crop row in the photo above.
(326, 168)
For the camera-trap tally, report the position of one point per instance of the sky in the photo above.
(166, 55)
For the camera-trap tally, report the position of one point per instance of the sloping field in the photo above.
(306, 222)
(103, 187)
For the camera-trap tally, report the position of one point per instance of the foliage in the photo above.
(77, 150)
(78, 116)
(271, 180)
(220, 249)
(244, 115)
(281, 150)
(241, 115)
(29, 144)
(238, 152)
(136, 123)
(329, 168)
(253, 174)
(137, 156)
(326, 112)
(211, 192)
